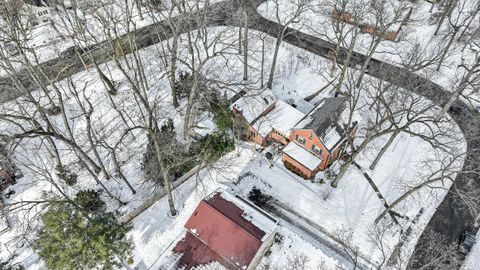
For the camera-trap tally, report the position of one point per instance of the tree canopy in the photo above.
(81, 234)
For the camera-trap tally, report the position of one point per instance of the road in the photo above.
(452, 216)
(56, 69)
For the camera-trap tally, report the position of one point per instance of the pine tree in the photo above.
(82, 235)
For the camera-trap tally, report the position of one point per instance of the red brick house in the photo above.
(263, 118)
(319, 138)
(248, 110)
(226, 229)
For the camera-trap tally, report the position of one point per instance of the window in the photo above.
(317, 150)
(310, 135)
(300, 139)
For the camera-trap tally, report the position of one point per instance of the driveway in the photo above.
(452, 216)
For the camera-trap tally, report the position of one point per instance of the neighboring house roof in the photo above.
(282, 118)
(301, 155)
(303, 106)
(226, 229)
(328, 120)
(253, 106)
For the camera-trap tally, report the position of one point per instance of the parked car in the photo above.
(71, 51)
(11, 48)
(467, 240)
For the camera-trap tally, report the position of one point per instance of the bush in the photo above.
(90, 201)
(293, 169)
(172, 155)
(213, 145)
(184, 85)
(85, 238)
(223, 114)
(66, 175)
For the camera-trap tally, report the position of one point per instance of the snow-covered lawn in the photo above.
(91, 23)
(416, 43)
(36, 162)
(353, 204)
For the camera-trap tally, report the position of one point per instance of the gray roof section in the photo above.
(326, 116)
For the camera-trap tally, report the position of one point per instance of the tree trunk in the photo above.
(245, 47)
(173, 70)
(166, 182)
(190, 105)
(404, 196)
(384, 149)
(138, 4)
(346, 64)
(343, 170)
(106, 81)
(367, 62)
(262, 66)
(446, 50)
(118, 168)
(447, 12)
(240, 40)
(433, 5)
(274, 60)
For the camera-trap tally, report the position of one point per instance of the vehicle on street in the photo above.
(467, 240)
(11, 48)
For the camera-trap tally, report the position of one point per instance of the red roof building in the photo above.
(227, 229)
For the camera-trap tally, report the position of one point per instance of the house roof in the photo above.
(282, 118)
(304, 157)
(253, 105)
(197, 253)
(327, 120)
(226, 229)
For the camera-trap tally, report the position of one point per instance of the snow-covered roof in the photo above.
(328, 120)
(307, 159)
(303, 106)
(252, 106)
(331, 137)
(211, 266)
(251, 213)
(282, 118)
(227, 229)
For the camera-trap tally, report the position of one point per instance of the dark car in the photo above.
(467, 240)
(71, 51)
(11, 48)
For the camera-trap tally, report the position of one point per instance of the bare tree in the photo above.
(286, 19)
(344, 237)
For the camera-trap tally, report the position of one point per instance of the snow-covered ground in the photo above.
(36, 163)
(85, 26)
(353, 205)
(416, 46)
